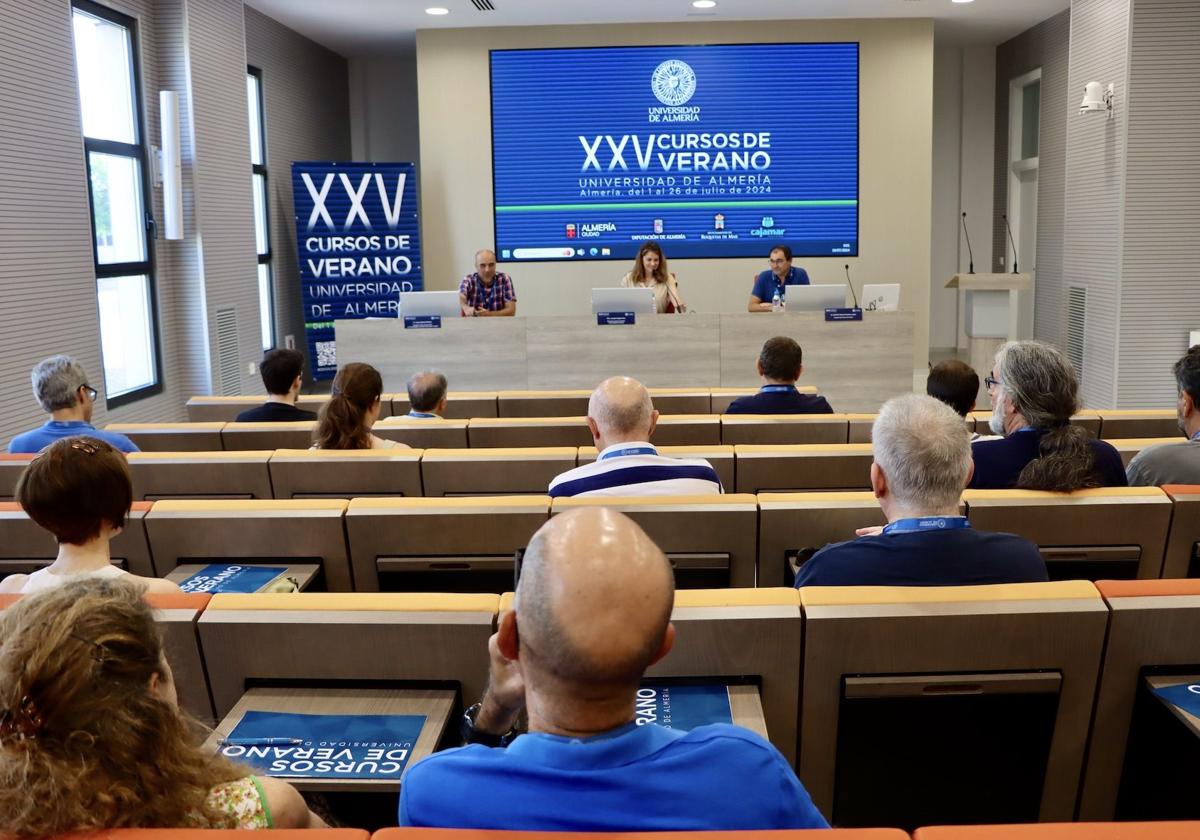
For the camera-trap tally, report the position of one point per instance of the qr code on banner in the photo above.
(326, 354)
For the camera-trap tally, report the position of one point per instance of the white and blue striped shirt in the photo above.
(636, 469)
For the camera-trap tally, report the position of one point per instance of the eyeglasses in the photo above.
(90, 391)
(991, 383)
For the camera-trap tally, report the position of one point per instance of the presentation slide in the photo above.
(711, 151)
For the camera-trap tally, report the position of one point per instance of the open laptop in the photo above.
(422, 304)
(620, 299)
(815, 298)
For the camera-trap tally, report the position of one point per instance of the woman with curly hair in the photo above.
(91, 735)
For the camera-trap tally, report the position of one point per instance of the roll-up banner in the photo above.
(358, 244)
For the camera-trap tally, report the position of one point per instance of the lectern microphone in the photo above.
(1004, 216)
(970, 270)
(851, 285)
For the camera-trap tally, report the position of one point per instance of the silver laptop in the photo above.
(815, 298)
(429, 303)
(620, 299)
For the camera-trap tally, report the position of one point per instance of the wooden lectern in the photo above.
(998, 309)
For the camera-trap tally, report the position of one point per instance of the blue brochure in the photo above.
(1185, 695)
(683, 706)
(324, 746)
(230, 577)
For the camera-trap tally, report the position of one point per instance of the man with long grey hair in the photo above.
(61, 388)
(1034, 392)
(922, 463)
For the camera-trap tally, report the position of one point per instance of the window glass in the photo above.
(264, 305)
(260, 213)
(103, 60)
(125, 338)
(117, 208)
(1031, 98)
(252, 100)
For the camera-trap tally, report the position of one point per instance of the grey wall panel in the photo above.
(1095, 176)
(307, 118)
(1159, 303)
(1046, 46)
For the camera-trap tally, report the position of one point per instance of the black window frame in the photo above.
(139, 152)
(267, 256)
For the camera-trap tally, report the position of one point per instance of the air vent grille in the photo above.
(227, 352)
(483, 5)
(1076, 326)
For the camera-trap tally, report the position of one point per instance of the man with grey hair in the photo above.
(922, 463)
(621, 419)
(592, 613)
(427, 395)
(1034, 392)
(60, 387)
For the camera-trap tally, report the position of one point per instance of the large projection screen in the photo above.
(712, 151)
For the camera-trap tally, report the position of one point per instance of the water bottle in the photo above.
(777, 302)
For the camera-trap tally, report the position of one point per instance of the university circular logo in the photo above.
(673, 82)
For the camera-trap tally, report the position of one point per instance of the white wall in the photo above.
(896, 108)
(383, 106)
(945, 235)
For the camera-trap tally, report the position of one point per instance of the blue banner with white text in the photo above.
(358, 245)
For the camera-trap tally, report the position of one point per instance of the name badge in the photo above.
(613, 319)
(422, 322)
(843, 313)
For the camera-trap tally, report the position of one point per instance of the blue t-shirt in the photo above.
(35, 441)
(634, 778)
(766, 283)
(953, 557)
(780, 399)
(998, 463)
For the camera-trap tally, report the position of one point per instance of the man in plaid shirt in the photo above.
(486, 292)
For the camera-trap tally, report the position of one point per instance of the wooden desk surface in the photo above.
(434, 704)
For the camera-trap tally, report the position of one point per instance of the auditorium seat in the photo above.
(345, 473)
(1106, 532)
(26, 547)
(1085, 419)
(336, 639)
(722, 397)
(687, 430)
(172, 437)
(200, 475)
(264, 532)
(709, 539)
(1137, 423)
(496, 471)
(1130, 447)
(518, 432)
(1064, 831)
(225, 409)
(861, 424)
(564, 403)
(719, 455)
(784, 428)
(440, 545)
(979, 697)
(11, 467)
(460, 405)
(1182, 557)
(293, 435)
(424, 433)
(806, 522)
(832, 466)
(1154, 628)
(681, 400)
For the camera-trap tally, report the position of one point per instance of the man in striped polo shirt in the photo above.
(622, 418)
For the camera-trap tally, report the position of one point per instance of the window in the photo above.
(1024, 125)
(115, 155)
(258, 175)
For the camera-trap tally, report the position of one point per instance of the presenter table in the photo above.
(858, 364)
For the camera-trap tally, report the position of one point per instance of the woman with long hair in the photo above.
(345, 421)
(91, 735)
(78, 489)
(650, 271)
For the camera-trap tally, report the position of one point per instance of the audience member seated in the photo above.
(593, 611)
(427, 395)
(1034, 392)
(956, 384)
(780, 364)
(60, 386)
(91, 735)
(922, 463)
(650, 271)
(345, 421)
(485, 291)
(1175, 463)
(281, 371)
(621, 419)
(79, 490)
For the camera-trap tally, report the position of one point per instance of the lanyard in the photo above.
(632, 450)
(927, 523)
(776, 389)
(421, 414)
(1195, 436)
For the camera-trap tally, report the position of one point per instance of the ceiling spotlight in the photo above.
(704, 4)
(441, 10)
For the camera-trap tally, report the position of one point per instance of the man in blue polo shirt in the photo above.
(778, 277)
(922, 463)
(60, 387)
(592, 612)
(780, 363)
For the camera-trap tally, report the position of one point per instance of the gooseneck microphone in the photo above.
(971, 270)
(1004, 216)
(851, 285)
